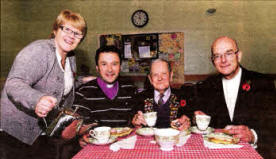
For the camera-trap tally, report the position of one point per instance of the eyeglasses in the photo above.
(227, 55)
(69, 31)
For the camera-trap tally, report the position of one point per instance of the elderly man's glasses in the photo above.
(69, 31)
(227, 55)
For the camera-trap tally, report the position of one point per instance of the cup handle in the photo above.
(92, 133)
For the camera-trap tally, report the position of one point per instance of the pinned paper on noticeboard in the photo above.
(144, 51)
(127, 52)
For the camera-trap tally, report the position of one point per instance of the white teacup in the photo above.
(166, 138)
(203, 121)
(150, 118)
(183, 137)
(101, 134)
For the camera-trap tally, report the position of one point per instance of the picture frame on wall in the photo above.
(111, 39)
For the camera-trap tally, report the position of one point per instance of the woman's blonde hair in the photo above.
(67, 16)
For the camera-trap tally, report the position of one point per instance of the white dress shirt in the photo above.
(68, 74)
(166, 96)
(231, 89)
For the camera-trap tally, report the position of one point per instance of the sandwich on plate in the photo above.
(222, 138)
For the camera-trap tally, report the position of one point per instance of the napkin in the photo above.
(128, 143)
(212, 145)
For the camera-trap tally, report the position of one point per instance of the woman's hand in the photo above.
(45, 105)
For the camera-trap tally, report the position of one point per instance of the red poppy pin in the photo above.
(246, 86)
(183, 103)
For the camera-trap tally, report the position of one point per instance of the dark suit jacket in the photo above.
(256, 98)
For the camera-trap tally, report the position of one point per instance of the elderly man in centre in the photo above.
(162, 99)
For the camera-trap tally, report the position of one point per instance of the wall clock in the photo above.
(140, 18)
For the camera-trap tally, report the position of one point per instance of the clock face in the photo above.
(139, 18)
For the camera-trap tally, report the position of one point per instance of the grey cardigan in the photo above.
(35, 73)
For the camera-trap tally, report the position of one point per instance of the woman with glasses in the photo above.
(41, 79)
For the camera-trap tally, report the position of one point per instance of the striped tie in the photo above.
(160, 101)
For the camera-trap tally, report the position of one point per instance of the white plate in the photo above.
(195, 130)
(145, 131)
(96, 142)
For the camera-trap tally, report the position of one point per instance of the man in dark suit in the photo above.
(161, 99)
(237, 99)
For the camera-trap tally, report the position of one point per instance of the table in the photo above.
(144, 149)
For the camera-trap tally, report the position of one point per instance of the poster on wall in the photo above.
(111, 39)
(171, 48)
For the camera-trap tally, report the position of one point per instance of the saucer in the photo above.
(145, 131)
(166, 148)
(96, 142)
(195, 130)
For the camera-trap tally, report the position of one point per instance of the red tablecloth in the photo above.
(193, 149)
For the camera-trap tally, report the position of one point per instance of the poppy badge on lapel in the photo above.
(183, 103)
(246, 87)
